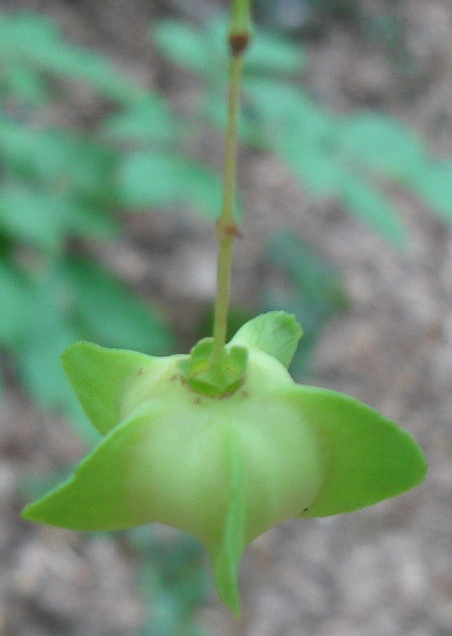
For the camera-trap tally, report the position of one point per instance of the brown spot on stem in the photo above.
(238, 42)
(232, 230)
(140, 371)
(228, 230)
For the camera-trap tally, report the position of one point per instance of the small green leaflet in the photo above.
(434, 185)
(44, 219)
(15, 297)
(157, 179)
(34, 41)
(147, 121)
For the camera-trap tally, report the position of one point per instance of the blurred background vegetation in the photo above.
(86, 150)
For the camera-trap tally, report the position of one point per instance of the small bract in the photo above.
(227, 457)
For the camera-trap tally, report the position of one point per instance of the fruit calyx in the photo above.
(219, 380)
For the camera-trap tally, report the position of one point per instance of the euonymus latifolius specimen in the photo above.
(223, 457)
(222, 443)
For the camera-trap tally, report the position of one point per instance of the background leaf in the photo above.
(146, 121)
(383, 144)
(434, 185)
(15, 305)
(182, 44)
(34, 40)
(43, 219)
(367, 203)
(110, 313)
(151, 179)
(314, 293)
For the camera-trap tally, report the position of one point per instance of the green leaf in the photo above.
(99, 377)
(314, 292)
(434, 185)
(173, 581)
(286, 111)
(21, 32)
(15, 305)
(370, 457)
(148, 120)
(324, 176)
(79, 64)
(35, 41)
(317, 148)
(276, 333)
(25, 85)
(44, 219)
(160, 180)
(31, 217)
(313, 279)
(270, 53)
(38, 356)
(58, 158)
(110, 312)
(381, 143)
(316, 169)
(182, 45)
(43, 333)
(368, 204)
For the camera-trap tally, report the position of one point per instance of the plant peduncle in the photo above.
(227, 228)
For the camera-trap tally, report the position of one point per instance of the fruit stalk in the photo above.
(227, 228)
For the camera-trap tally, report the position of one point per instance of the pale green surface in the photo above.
(99, 376)
(276, 333)
(227, 376)
(223, 469)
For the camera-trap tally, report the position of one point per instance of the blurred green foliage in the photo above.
(311, 289)
(174, 581)
(350, 158)
(57, 185)
(61, 189)
(305, 15)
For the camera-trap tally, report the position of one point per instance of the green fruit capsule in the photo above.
(223, 455)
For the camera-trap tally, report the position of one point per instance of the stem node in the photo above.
(227, 230)
(238, 43)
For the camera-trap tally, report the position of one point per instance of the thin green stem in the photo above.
(241, 22)
(227, 229)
